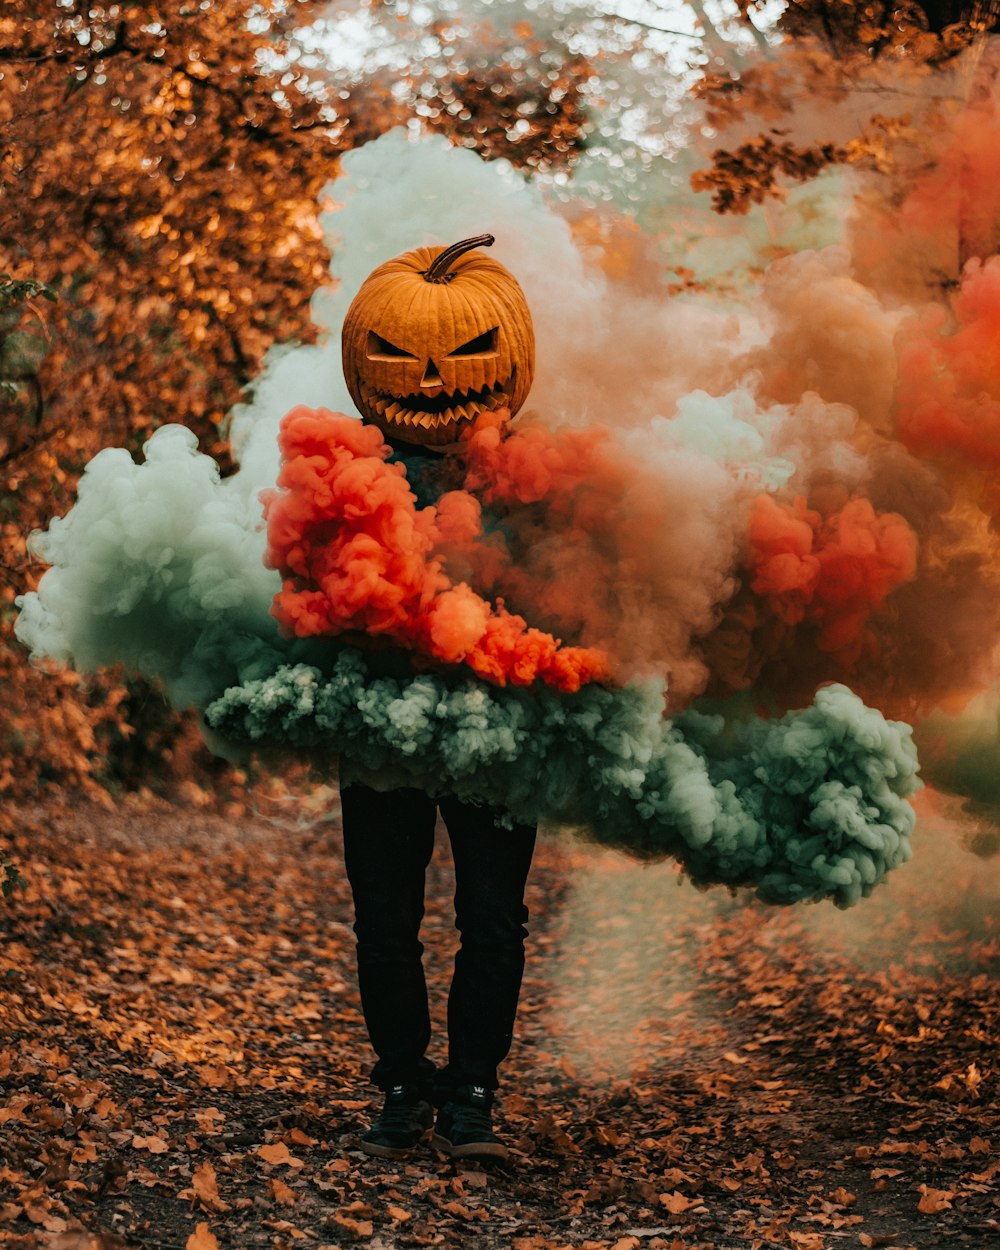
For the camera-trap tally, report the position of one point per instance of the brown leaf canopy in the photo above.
(830, 46)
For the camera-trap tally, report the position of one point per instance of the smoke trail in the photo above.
(159, 566)
(808, 806)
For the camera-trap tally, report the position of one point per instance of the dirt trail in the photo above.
(183, 1057)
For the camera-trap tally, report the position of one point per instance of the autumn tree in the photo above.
(162, 166)
(829, 49)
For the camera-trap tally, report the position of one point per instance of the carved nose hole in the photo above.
(431, 376)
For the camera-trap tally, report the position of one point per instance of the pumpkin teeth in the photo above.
(460, 410)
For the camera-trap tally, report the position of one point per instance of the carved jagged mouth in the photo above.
(431, 413)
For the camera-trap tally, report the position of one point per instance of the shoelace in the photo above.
(471, 1119)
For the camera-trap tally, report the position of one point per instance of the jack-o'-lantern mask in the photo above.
(436, 337)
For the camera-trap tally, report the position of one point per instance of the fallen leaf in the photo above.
(277, 1153)
(281, 1193)
(206, 1188)
(676, 1203)
(934, 1200)
(214, 1075)
(360, 1228)
(202, 1239)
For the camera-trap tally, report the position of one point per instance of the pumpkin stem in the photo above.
(438, 271)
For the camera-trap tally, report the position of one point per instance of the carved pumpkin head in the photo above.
(434, 338)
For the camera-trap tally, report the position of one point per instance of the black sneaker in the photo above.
(464, 1127)
(405, 1121)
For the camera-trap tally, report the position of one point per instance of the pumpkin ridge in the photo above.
(449, 304)
(406, 319)
(473, 319)
(381, 316)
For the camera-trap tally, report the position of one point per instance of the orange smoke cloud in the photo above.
(357, 554)
(948, 402)
(835, 570)
(627, 547)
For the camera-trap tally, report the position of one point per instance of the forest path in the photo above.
(183, 1059)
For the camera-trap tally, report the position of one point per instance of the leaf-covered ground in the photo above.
(183, 1058)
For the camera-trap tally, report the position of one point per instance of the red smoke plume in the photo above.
(835, 570)
(948, 402)
(356, 553)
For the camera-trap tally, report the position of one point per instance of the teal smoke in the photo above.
(806, 807)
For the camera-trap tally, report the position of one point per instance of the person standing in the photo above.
(434, 339)
(388, 841)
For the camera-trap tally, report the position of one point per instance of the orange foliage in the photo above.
(534, 119)
(159, 188)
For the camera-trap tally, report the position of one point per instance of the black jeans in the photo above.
(388, 840)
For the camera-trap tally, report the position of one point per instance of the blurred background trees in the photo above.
(163, 167)
(831, 50)
(158, 231)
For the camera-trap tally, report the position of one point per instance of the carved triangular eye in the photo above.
(379, 348)
(482, 345)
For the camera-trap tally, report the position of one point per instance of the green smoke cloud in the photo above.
(808, 806)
